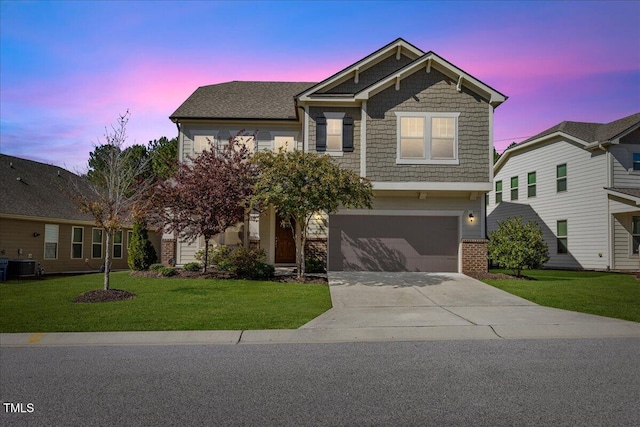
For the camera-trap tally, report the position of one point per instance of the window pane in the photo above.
(531, 178)
(562, 228)
(117, 237)
(442, 148)
(286, 143)
(498, 197)
(247, 141)
(334, 126)
(50, 250)
(498, 185)
(97, 235)
(636, 225)
(117, 251)
(412, 127)
(96, 251)
(77, 235)
(76, 250)
(561, 171)
(443, 127)
(636, 243)
(636, 161)
(531, 191)
(562, 246)
(334, 142)
(412, 148)
(514, 182)
(562, 184)
(514, 194)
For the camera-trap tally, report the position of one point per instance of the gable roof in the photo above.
(242, 100)
(590, 135)
(34, 189)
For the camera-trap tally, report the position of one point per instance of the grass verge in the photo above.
(161, 304)
(601, 293)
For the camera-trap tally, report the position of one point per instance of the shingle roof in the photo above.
(243, 100)
(633, 192)
(35, 189)
(591, 132)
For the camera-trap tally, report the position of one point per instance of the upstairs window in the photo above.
(77, 239)
(498, 192)
(427, 138)
(561, 178)
(563, 244)
(201, 143)
(284, 143)
(51, 241)
(531, 184)
(334, 134)
(514, 188)
(636, 161)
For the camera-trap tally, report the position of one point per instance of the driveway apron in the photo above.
(452, 302)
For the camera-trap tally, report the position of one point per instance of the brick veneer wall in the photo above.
(317, 248)
(474, 256)
(168, 250)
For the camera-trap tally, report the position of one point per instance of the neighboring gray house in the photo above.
(581, 183)
(417, 126)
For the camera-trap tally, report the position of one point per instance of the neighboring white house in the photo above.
(581, 183)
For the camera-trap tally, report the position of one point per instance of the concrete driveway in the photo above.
(449, 305)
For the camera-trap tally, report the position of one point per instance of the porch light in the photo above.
(471, 217)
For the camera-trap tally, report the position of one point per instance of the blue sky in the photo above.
(68, 69)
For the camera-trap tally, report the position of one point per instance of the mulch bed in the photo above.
(497, 276)
(213, 274)
(100, 295)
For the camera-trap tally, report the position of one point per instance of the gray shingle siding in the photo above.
(371, 75)
(428, 92)
(348, 160)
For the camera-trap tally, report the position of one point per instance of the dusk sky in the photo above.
(68, 69)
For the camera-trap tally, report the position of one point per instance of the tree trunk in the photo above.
(206, 254)
(107, 260)
(300, 237)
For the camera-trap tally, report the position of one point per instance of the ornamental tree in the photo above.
(300, 184)
(207, 194)
(517, 246)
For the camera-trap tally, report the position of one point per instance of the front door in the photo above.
(285, 244)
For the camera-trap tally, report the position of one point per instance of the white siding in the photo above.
(622, 166)
(583, 205)
(623, 255)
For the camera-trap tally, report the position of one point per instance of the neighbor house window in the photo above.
(514, 188)
(51, 241)
(563, 247)
(427, 138)
(202, 143)
(334, 134)
(635, 231)
(248, 141)
(531, 184)
(284, 143)
(636, 161)
(498, 192)
(96, 243)
(77, 239)
(561, 177)
(117, 244)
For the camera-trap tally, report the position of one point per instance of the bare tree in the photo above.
(116, 186)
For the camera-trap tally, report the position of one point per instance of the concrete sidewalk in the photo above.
(384, 307)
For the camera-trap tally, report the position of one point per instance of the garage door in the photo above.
(393, 243)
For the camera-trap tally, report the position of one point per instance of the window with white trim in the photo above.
(334, 134)
(202, 143)
(562, 231)
(284, 143)
(248, 141)
(77, 240)
(531, 184)
(498, 192)
(561, 178)
(427, 138)
(51, 241)
(96, 243)
(514, 188)
(635, 234)
(117, 244)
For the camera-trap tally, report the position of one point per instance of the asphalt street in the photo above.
(590, 382)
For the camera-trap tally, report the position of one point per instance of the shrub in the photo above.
(167, 271)
(250, 263)
(141, 252)
(314, 265)
(155, 267)
(517, 246)
(192, 266)
(217, 254)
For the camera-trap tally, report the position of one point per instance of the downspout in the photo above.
(610, 257)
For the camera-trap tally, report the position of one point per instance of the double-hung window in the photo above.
(563, 244)
(531, 184)
(334, 134)
(428, 138)
(514, 188)
(96, 243)
(636, 162)
(51, 241)
(498, 192)
(248, 141)
(635, 234)
(117, 244)
(561, 178)
(77, 238)
(284, 143)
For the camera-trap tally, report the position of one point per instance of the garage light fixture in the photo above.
(471, 217)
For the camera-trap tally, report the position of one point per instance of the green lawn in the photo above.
(161, 304)
(605, 294)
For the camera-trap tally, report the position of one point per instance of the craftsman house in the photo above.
(417, 126)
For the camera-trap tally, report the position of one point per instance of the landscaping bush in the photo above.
(155, 267)
(218, 254)
(141, 252)
(192, 266)
(517, 246)
(250, 263)
(167, 271)
(314, 265)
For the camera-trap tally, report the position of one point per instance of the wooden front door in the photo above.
(285, 243)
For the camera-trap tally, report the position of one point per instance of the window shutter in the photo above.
(347, 134)
(321, 134)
